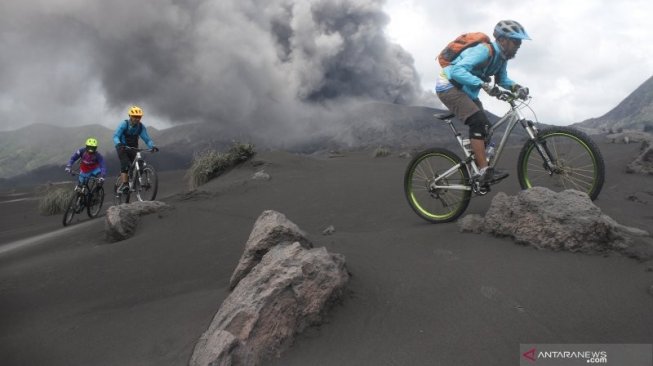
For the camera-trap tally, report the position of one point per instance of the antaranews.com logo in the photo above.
(586, 354)
(591, 357)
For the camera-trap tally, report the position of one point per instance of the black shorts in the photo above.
(126, 157)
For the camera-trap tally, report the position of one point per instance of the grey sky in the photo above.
(586, 56)
(284, 66)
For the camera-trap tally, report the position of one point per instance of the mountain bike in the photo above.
(143, 180)
(88, 195)
(439, 184)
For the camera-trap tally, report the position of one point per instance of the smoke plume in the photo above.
(275, 68)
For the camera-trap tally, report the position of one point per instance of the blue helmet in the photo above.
(510, 29)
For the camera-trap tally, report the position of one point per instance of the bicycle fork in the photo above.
(549, 165)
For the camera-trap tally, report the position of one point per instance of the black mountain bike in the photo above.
(438, 184)
(143, 180)
(89, 196)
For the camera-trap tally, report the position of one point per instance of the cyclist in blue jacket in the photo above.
(127, 134)
(459, 83)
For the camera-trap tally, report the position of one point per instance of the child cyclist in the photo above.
(91, 163)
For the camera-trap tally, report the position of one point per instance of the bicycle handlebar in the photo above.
(508, 96)
(137, 149)
(92, 177)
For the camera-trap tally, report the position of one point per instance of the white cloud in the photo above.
(586, 56)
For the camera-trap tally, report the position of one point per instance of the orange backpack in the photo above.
(462, 42)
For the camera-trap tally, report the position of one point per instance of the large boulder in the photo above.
(567, 220)
(289, 288)
(270, 229)
(121, 221)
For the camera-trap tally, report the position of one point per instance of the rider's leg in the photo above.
(125, 162)
(81, 178)
(478, 130)
(478, 124)
(478, 147)
(471, 112)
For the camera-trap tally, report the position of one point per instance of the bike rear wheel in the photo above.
(73, 207)
(148, 185)
(428, 198)
(577, 160)
(96, 199)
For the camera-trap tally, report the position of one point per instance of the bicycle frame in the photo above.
(137, 166)
(87, 187)
(511, 118)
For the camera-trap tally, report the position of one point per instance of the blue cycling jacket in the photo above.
(128, 135)
(470, 68)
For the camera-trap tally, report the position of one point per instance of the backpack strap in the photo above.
(138, 133)
(491, 49)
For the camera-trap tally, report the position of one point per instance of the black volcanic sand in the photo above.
(420, 294)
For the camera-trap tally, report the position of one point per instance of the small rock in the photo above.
(471, 224)
(261, 175)
(405, 155)
(329, 230)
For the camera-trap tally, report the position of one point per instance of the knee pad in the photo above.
(478, 124)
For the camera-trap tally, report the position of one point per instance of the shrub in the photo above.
(241, 152)
(210, 164)
(381, 152)
(55, 200)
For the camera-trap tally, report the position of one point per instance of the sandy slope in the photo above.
(420, 294)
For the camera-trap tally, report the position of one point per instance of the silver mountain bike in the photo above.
(438, 184)
(143, 180)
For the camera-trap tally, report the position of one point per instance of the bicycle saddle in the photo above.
(444, 115)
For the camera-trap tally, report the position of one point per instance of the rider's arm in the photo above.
(502, 78)
(470, 59)
(118, 134)
(103, 168)
(76, 155)
(146, 137)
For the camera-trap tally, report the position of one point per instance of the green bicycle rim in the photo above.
(412, 195)
(581, 142)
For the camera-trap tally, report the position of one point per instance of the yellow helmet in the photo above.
(135, 111)
(91, 144)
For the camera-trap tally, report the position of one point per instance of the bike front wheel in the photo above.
(119, 197)
(147, 184)
(441, 200)
(73, 207)
(96, 199)
(577, 162)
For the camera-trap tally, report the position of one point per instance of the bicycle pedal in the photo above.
(480, 189)
(499, 179)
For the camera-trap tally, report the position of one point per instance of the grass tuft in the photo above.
(55, 200)
(210, 164)
(381, 152)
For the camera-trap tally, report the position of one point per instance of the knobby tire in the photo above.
(439, 205)
(96, 200)
(70, 210)
(579, 160)
(148, 190)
